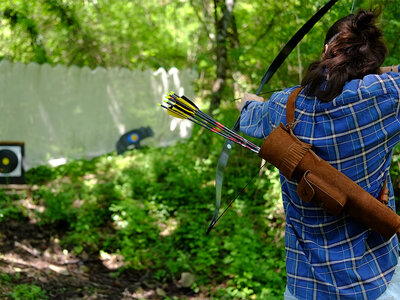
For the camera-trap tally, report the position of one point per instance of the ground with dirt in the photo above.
(33, 253)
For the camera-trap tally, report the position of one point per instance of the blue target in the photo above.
(132, 139)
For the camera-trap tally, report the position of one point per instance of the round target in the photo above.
(8, 161)
(133, 138)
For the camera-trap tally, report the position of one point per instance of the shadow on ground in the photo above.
(31, 254)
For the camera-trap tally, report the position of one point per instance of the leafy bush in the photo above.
(28, 292)
(10, 290)
(9, 209)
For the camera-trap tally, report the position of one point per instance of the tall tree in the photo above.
(223, 21)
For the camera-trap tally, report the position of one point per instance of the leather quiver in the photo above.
(322, 184)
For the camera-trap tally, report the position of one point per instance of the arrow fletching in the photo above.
(183, 108)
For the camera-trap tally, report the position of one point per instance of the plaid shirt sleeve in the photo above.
(330, 257)
(255, 121)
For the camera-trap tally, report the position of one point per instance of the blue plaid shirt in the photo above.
(330, 257)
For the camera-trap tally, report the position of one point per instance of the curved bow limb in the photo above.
(276, 63)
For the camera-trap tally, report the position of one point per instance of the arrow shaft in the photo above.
(175, 102)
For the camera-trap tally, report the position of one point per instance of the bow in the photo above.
(276, 63)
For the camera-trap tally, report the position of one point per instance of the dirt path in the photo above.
(31, 254)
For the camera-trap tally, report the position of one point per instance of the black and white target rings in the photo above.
(8, 161)
(11, 162)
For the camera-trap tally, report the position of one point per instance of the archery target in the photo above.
(11, 162)
(134, 138)
(8, 161)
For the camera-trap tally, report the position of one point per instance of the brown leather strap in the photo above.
(291, 105)
(384, 194)
(290, 110)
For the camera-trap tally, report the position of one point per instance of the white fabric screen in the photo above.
(69, 112)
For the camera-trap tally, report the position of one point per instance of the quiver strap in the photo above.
(321, 183)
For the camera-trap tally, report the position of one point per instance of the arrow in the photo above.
(183, 108)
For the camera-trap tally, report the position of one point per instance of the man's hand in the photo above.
(247, 97)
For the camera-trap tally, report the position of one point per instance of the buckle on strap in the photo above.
(290, 126)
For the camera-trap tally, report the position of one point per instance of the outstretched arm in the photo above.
(247, 97)
(393, 68)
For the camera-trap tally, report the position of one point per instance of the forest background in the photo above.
(140, 219)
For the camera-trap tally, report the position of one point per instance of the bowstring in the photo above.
(352, 7)
(236, 196)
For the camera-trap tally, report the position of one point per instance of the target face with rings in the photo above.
(12, 163)
(134, 138)
(8, 161)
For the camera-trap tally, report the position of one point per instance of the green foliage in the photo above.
(8, 208)
(152, 206)
(19, 291)
(155, 33)
(395, 175)
(28, 292)
(106, 33)
(137, 235)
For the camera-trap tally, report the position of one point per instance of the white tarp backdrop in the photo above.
(69, 112)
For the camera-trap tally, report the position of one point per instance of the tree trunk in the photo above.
(221, 27)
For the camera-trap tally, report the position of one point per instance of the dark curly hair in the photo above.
(355, 48)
